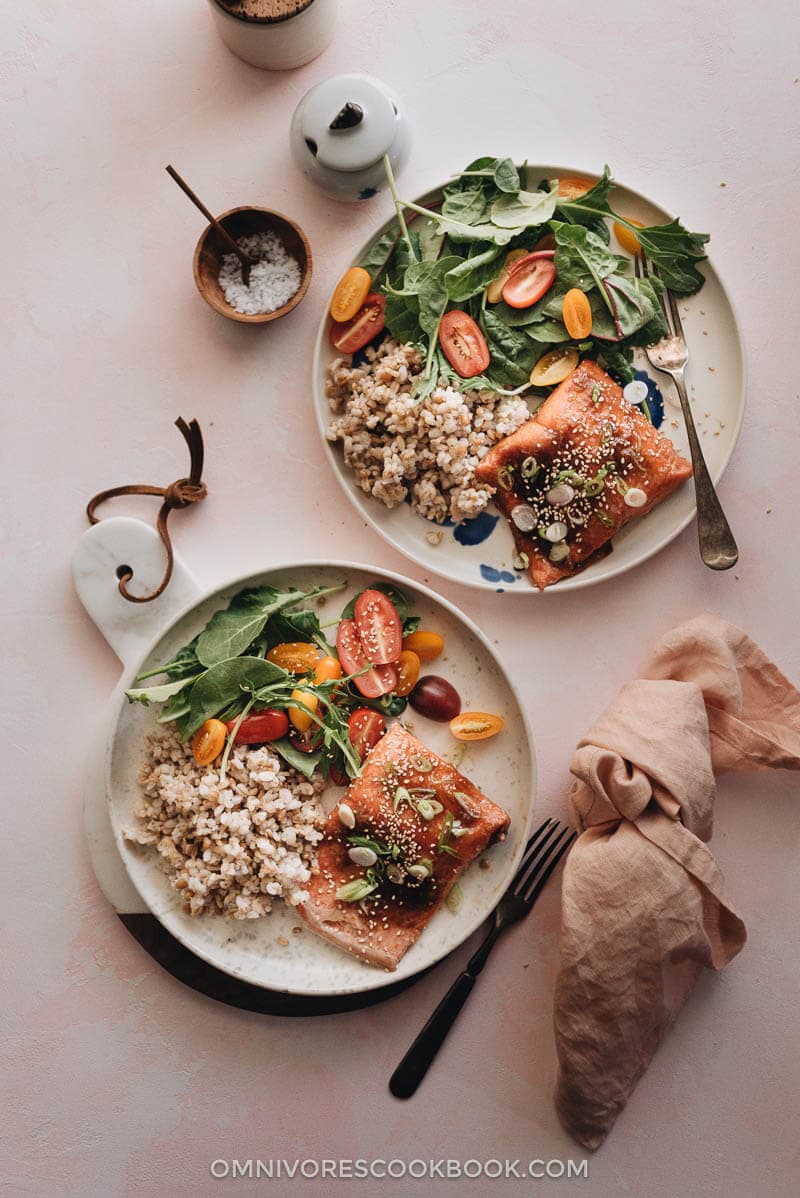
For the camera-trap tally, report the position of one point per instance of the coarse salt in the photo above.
(274, 278)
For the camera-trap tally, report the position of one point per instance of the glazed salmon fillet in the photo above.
(571, 477)
(388, 805)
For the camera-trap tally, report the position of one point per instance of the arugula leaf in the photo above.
(524, 210)
(183, 663)
(159, 694)
(228, 680)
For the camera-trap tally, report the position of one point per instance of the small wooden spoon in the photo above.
(246, 260)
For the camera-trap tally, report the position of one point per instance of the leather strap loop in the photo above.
(180, 494)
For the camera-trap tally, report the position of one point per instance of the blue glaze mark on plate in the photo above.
(477, 530)
(367, 193)
(655, 400)
(490, 574)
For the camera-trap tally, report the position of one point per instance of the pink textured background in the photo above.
(116, 1080)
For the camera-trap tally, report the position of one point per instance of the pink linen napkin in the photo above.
(643, 898)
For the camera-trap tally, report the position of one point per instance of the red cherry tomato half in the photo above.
(261, 727)
(463, 343)
(530, 278)
(365, 728)
(375, 682)
(367, 323)
(378, 626)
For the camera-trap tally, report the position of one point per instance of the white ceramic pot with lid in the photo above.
(341, 130)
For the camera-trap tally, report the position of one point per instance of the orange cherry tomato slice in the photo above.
(426, 645)
(354, 334)
(476, 725)
(463, 343)
(298, 657)
(576, 312)
(408, 667)
(327, 669)
(351, 291)
(301, 719)
(209, 741)
(530, 279)
(572, 187)
(554, 367)
(626, 237)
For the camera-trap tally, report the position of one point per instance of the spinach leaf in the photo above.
(501, 171)
(304, 763)
(376, 257)
(618, 361)
(402, 316)
(472, 274)
(506, 175)
(228, 680)
(290, 626)
(430, 240)
(582, 260)
(675, 252)
(586, 209)
(160, 694)
(466, 202)
(524, 210)
(231, 631)
(513, 354)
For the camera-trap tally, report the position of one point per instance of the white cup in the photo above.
(278, 45)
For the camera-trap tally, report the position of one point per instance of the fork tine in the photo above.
(677, 323)
(637, 266)
(533, 847)
(523, 874)
(541, 861)
(531, 896)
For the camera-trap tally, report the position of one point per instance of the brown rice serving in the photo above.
(230, 851)
(397, 444)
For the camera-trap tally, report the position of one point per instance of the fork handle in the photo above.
(415, 1064)
(718, 547)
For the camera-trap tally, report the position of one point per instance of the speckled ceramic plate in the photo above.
(479, 552)
(271, 952)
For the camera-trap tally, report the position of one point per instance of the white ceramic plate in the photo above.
(268, 952)
(715, 377)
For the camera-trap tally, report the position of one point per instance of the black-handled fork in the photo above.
(542, 855)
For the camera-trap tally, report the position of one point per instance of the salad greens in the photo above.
(431, 261)
(223, 674)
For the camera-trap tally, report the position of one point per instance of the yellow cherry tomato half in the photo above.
(408, 666)
(297, 657)
(576, 312)
(572, 187)
(209, 741)
(327, 669)
(476, 725)
(351, 291)
(494, 292)
(554, 367)
(426, 645)
(626, 237)
(301, 719)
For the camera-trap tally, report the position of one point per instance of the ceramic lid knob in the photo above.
(348, 122)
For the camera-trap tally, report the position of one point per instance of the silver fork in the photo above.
(718, 547)
(542, 855)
